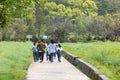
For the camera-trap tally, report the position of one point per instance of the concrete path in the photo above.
(54, 71)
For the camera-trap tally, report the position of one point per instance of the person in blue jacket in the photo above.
(34, 49)
(52, 50)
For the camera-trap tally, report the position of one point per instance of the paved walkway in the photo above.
(54, 71)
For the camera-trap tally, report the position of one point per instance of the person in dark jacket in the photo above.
(41, 49)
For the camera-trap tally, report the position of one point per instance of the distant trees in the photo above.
(61, 19)
(102, 27)
(15, 31)
(58, 28)
(71, 10)
(107, 6)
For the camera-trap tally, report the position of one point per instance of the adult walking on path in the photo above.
(41, 49)
(54, 71)
(52, 50)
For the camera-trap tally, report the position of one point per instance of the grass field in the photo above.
(15, 58)
(104, 55)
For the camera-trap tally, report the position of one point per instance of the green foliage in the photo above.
(72, 11)
(80, 16)
(107, 6)
(15, 31)
(15, 58)
(57, 28)
(19, 8)
(89, 8)
(103, 55)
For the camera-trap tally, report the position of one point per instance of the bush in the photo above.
(73, 40)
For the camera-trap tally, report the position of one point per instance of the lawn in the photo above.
(15, 58)
(105, 56)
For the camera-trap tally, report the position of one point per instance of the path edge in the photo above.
(89, 70)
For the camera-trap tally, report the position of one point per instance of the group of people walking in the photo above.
(52, 50)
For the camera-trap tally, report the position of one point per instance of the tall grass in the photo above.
(15, 58)
(104, 55)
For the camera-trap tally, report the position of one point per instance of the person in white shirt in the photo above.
(52, 50)
(59, 52)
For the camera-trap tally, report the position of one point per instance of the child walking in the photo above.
(59, 52)
(34, 49)
(47, 53)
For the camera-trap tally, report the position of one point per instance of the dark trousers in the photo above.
(35, 56)
(59, 55)
(48, 56)
(52, 57)
(41, 55)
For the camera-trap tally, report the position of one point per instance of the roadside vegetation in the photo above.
(15, 58)
(64, 21)
(105, 56)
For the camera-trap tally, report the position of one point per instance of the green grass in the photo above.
(15, 58)
(104, 55)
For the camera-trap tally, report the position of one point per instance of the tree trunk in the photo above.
(39, 17)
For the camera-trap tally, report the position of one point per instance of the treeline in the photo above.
(64, 20)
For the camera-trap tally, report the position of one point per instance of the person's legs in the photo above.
(54, 55)
(47, 56)
(51, 57)
(59, 55)
(34, 56)
(37, 56)
(42, 57)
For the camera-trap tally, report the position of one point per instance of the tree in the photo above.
(10, 8)
(58, 28)
(39, 18)
(89, 8)
(39, 13)
(107, 6)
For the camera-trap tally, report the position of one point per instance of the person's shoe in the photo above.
(59, 60)
(35, 60)
(51, 61)
(41, 61)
